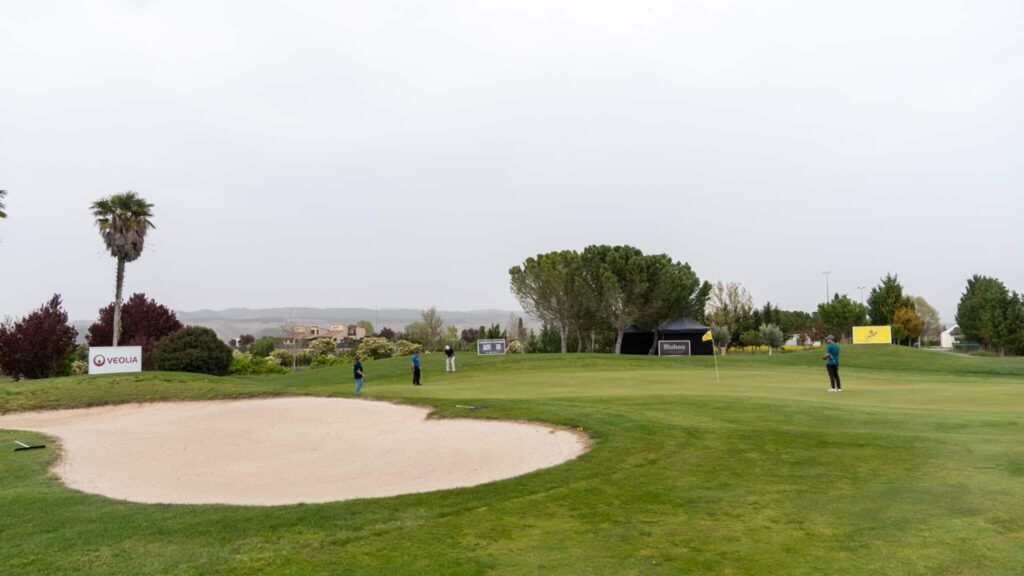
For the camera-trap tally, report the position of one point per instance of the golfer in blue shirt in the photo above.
(357, 371)
(831, 359)
(415, 368)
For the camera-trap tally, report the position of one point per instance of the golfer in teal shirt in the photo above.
(415, 368)
(831, 359)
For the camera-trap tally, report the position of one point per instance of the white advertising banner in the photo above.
(110, 360)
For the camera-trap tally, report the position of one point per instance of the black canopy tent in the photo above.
(683, 328)
(639, 341)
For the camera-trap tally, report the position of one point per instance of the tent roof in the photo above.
(683, 324)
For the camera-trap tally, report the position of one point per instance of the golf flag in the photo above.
(709, 336)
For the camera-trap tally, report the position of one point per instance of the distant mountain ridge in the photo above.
(233, 322)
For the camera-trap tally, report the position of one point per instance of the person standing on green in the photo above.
(357, 371)
(831, 359)
(415, 368)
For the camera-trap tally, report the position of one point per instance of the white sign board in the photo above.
(674, 348)
(110, 360)
(489, 347)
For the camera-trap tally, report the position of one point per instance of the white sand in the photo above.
(286, 450)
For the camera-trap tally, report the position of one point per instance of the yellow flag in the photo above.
(707, 337)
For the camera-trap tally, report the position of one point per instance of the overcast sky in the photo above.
(400, 154)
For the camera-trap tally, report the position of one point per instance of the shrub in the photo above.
(194, 349)
(144, 323)
(323, 347)
(262, 347)
(515, 347)
(406, 348)
(722, 336)
(322, 361)
(80, 367)
(246, 363)
(40, 345)
(282, 357)
(376, 348)
(772, 336)
(750, 339)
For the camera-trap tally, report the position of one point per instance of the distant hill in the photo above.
(233, 322)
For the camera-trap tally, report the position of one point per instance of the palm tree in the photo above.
(123, 220)
(2, 194)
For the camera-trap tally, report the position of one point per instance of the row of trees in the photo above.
(42, 344)
(992, 315)
(911, 317)
(606, 289)
(735, 321)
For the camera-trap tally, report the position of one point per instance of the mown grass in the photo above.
(917, 468)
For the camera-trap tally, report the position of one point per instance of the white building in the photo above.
(950, 337)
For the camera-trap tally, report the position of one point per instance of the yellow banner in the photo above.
(872, 334)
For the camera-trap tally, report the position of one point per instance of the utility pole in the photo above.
(827, 298)
(861, 288)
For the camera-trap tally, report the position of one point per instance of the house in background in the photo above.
(949, 337)
(304, 335)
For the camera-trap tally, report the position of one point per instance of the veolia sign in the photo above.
(110, 360)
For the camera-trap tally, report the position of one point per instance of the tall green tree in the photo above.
(1011, 333)
(841, 314)
(982, 310)
(618, 280)
(795, 321)
(123, 220)
(548, 286)
(3, 194)
(674, 291)
(885, 299)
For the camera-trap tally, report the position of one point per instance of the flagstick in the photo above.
(718, 379)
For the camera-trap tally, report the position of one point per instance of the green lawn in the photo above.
(917, 468)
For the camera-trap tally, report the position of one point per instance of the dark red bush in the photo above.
(143, 323)
(39, 345)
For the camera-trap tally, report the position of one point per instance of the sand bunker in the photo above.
(286, 450)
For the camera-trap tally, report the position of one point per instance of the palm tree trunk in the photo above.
(117, 300)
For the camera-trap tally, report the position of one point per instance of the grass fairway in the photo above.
(916, 468)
